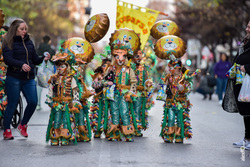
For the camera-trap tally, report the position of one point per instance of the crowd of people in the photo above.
(121, 91)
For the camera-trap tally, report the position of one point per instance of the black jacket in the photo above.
(243, 59)
(23, 52)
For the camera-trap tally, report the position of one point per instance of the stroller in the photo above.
(16, 119)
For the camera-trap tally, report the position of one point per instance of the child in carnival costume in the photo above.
(125, 87)
(59, 99)
(143, 84)
(80, 52)
(176, 122)
(97, 108)
(68, 94)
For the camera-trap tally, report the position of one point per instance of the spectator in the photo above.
(43, 47)
(20, 57)
(204, 88)
(243, 59)
(220, 69)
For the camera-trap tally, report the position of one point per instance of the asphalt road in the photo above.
(214, 131)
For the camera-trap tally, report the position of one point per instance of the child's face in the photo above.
(174, 70)
(120, 56)
(62, 68)
(138, 57)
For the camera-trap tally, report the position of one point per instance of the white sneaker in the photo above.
(220, 102)
(240, 143)
(38, 108)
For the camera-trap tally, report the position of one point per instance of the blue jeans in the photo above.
(13, 88)
(221, 84)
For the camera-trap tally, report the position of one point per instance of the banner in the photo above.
(137, 18)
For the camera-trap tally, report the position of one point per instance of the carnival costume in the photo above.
(97, 108)
(3, 69)
(176, 121)
(80, 118)
(68, 94)
(176, 84)
(59, 99)
(143, 102)
(121, 106)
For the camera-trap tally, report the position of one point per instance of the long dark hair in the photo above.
(9, 37)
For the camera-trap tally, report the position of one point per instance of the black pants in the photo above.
(247, 127)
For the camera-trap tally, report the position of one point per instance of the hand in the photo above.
(127, 98)
(47, 57)
(110, 83)
(215, 76)
(242, 68)
(26, 67)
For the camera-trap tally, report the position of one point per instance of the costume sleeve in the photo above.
(50, 94)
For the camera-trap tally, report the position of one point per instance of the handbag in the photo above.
(244, 95)
(229, 101)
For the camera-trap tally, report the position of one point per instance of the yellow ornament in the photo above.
(127, 37)
(170, 45)
(163, 28)
(96, 27)
(81, 48)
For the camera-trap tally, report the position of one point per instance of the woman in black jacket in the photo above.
(243, 58)
(20, 57)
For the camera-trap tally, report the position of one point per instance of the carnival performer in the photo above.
(68, 94)
(143, 84)
(97, 108)
(176, 122)
(125, 87)
(3, 69)
(82, 104)
(59, 99)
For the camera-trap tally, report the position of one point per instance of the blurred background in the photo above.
(207, 26)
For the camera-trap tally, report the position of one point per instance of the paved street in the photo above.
(214, 131)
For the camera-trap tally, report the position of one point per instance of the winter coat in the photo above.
(243, 59)
(221, 68)
(22, 52)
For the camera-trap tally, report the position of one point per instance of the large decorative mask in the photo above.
(170, 45)
(80, 48)
(96, 27)
(163, 28)
(120, 56)
(127, 37)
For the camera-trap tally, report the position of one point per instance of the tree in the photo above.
(213, 22)
(43, 17)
